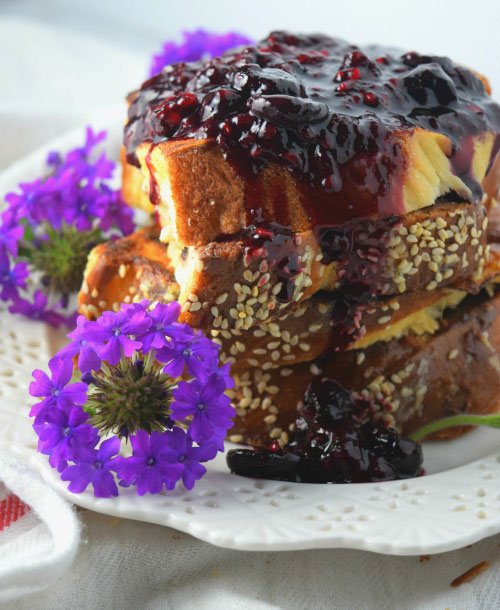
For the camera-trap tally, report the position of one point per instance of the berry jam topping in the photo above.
(334, 443)
(360, 249)
(278, 246)
(326, 110)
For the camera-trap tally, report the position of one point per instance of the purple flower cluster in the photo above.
(196, 45)
(73, 193)
(133, 335)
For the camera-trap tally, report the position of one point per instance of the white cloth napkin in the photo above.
(126, 564)
(39, 531)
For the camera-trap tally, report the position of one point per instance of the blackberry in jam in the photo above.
(334, 443)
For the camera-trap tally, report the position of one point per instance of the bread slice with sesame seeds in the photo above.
(231, 284)
(136, 267)
(221, 288)
(414, 379)
(310, 331)
(300, 334)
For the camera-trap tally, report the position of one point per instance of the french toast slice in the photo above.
(310, 330)
(439, 246)
(415, 379)
(201, 198)
(229, 285)
(299, 335)
(307, 132)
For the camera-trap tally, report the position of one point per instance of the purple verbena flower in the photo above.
(163, 327)
(115, 328)
(88, 359)
(93, 466)
(149, 467)
(63, 429)
(162, 453)
(115, 211)
(37, 310)
(54, 159)
(68, 209)
(27, 204)
(11, 278)
(55, 389)
(92, 139)
(198, 44)
(82, 205)
(198, 355)
(77, 158)
(209, 407)
(182, 451)
(10, 233)
(101, 169)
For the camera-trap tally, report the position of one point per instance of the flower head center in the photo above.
(56, 393)
(201, 406)
(130, 398)
(187, 352)
(97, 465)
(66, 430)
(182, 458)
(62, 256)
(150, 461)
(117, 332)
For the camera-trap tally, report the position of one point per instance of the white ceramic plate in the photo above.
(455, 504)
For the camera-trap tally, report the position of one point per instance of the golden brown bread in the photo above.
(126, 271)
(201, 197)
(417, 379)
(220, 287)
(298, 335)
(439, 246)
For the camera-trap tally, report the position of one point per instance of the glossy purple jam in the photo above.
(336, 441)
(278, 246)
(360, 248)
(326, 110)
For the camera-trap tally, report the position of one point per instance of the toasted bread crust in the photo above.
(129, 269)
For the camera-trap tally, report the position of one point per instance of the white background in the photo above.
(466, 30)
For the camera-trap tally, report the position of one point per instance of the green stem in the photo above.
(150, 360)
(124, 364)
(493, 421)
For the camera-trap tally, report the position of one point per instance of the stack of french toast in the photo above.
(319, 209)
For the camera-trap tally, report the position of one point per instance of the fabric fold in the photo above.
(46, 527)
